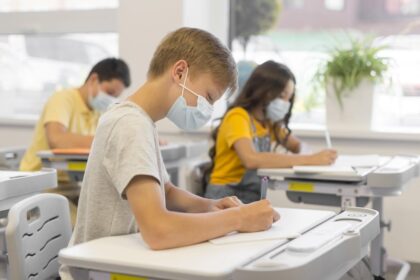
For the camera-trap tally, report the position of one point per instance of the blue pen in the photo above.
(264, 186)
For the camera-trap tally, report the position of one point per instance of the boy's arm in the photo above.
(163, 229)
(59, 138)
(57, 116)
(178, 199)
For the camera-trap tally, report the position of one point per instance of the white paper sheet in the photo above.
(272, 234)
(344, 164)
(287, 227)
(358, 161)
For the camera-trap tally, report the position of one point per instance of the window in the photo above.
(33, 65)
(399, 107)
(294, 4)
(50, 5)
(302, 39)
(334, 5)
(402, 7)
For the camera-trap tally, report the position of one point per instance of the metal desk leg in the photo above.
(377, 252)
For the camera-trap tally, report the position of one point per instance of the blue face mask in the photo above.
(188, 117)
(277, 109)
(101, 101)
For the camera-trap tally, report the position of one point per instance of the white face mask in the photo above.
(277, 109)
(188, 117)
(101, 101)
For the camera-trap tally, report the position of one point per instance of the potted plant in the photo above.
(349, 77)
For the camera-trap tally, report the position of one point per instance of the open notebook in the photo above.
(344, 164)
(292, 223)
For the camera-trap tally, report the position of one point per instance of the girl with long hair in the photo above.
(257, 121)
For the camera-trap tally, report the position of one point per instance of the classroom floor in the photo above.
(413, 275)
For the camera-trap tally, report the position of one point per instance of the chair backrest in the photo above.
(37, 228)
(191, 175)
(10, 157)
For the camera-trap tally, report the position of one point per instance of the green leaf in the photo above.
(347, 67)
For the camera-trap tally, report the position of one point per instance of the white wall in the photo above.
(141, 25)
(15, 135)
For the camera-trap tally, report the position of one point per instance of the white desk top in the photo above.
(15, 183)
(290, 173)
(6, 175)
(390, 176)
(169, 152)
(129, 254)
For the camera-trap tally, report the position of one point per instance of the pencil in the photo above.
(264, 186)
(328, 139)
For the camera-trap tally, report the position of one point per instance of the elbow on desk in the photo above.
(55, 141)
(158, 238)
(154, 243)
(52, 142)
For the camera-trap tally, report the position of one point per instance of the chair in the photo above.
(37, 228)
(10, 157)
(191, 174)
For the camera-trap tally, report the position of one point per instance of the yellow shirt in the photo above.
(68, 108)
(228, 168)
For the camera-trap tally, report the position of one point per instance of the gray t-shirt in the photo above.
(126, 145)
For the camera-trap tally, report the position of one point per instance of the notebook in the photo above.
(345, 164)
(292, 223)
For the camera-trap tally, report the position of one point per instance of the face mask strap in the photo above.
(183, 84)
(184, 87)
(193, 92)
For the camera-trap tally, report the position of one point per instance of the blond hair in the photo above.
(203, 53)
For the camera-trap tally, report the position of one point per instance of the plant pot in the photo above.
(356, 113)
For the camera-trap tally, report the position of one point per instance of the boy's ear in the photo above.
(179, 69)
(93, 78)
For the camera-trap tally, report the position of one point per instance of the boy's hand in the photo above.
(257, 216)
(224, 203)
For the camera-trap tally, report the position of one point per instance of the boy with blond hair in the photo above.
(126, 187)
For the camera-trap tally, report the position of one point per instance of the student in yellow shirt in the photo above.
(70, 116)
(257, 119)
